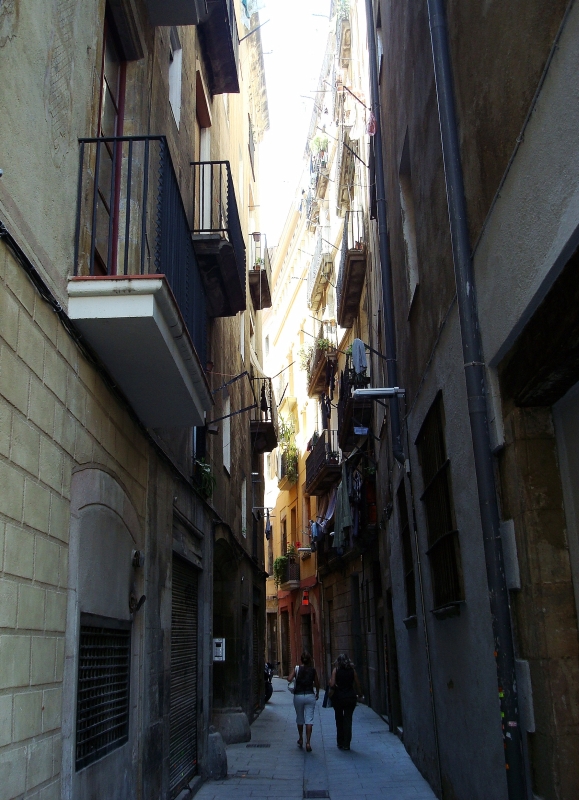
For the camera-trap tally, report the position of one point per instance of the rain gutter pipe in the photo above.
(384, 244)
(474, 370)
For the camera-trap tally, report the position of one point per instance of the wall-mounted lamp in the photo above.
(384, 391)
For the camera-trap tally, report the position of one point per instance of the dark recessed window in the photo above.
(102, 710)
(443, 547)
(407, 560)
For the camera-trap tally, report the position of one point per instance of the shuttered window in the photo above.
(443, 549)
(183, 715)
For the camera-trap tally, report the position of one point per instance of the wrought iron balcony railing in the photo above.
(323, 464)
(322, 352)
(218, 238)
(259, 272)
(321, 267)
(291, 573)
(131, 220)
(263, 419)
(354, 416)
(352, 268)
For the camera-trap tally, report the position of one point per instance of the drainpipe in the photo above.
(474, 370)
(384, 244)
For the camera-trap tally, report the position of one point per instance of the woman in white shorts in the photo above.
(306, 692)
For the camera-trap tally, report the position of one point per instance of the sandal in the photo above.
(308, 748)
(300, 742)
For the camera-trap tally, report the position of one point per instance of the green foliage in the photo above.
(279, 569)
(323, 344)
(305, 356)
(205, 477)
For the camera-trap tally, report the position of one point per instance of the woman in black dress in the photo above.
(346, 686)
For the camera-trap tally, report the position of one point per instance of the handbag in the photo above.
(292, 684)
(327, 701)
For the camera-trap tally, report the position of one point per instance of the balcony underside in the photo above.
(220, 275)
(352, 285)
(176, 12)
(217, 38)
(289, 586)
(135, 327)
(318, 377)
(263, 436)
(285, 484)
(357, 414)
(327, 477)
(260, 289)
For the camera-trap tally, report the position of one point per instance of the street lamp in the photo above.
(378, 392)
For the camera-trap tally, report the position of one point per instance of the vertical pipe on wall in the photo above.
(475, 384)
(384, 245)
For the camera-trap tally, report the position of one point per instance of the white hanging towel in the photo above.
(359, 356)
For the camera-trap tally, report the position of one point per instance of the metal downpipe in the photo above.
(476, 392)
(384, 245)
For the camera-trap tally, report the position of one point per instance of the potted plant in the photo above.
(205, 478)
(279, 570)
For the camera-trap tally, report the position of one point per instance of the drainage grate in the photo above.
(379, 731)
(258, 745)
(316, 793)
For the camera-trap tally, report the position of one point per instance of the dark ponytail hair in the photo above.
(306, 659)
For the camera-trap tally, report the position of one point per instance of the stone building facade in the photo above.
(518, 153)
(117, 333)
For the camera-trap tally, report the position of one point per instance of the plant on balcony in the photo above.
(279, 570)
(258, 263)
(205, 478)
(320, 145)
(305, 356)
(323, 344)
(292, 553)
(286, 441)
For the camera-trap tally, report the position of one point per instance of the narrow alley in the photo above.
(272, 765)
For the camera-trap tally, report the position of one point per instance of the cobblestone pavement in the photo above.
(376, 768)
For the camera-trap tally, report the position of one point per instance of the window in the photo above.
(227, 434)
(244, 508)
(408, 221)
(443, 548)
(283, 537)
(175, 72)
(102, 706)
(407, 560)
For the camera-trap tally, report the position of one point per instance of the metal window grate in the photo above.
(102, 714)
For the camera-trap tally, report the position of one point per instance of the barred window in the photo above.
(407, 560)
(443, 547)
(102, 710)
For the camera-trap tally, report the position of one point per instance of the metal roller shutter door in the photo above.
(183, 716)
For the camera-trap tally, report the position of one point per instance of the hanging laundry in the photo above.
(359, 356)
(263, 403)
(343, 513)
(267, 525)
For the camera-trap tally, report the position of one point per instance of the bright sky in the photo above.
(294, 40)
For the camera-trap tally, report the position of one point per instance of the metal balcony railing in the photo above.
(291, 572)
(259, 271)
(352, 267)
(131, 220)
(215, 206)
(352, 414)
(323, 463)
(263, 418)
(287, 468)
(320, 265)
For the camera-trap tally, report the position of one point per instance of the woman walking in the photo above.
(346, 686)
(306, 692)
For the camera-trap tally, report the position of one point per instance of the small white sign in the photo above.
(218, 649)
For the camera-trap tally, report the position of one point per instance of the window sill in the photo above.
(411, 621)
(450, 610)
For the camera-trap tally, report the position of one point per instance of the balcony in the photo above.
(287, 470)
(345, 171)
(176, 12)
(321, 267)
(136, 295)
(312, 209)
(259, 272)
(323, 351)
(352, 268)
(323, 465)
(343, 33)
(319, 172)
(220, 42)
(263, 419)
(354, 416)
(218, 239)
(291, 577)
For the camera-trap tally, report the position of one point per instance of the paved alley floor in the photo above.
(272, 766)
